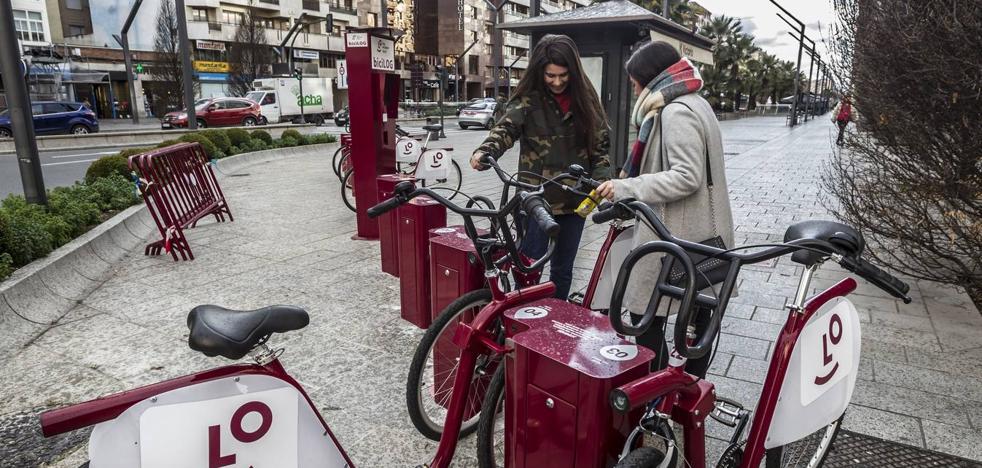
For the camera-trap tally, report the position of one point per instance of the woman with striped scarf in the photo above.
(676, 166)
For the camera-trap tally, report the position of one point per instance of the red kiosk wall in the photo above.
(374, 105)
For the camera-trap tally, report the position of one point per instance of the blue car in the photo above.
(56, 117)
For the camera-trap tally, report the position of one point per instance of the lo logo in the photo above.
(215, 457)
(834, 335)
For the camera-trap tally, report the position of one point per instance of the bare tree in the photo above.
(167, 71)
(250, 55)
(911, 176)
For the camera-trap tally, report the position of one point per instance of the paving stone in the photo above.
(959, 441)
(743, 346)
(923, 405)
(751, 370)
(929, 380)
(883, 424)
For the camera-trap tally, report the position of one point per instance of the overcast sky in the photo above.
(759, 17)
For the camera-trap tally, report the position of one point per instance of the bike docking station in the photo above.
(374, 85)
(566, 360)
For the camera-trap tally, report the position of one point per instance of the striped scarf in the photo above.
(679, 79)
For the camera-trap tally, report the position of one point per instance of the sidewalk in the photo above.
(921, 371)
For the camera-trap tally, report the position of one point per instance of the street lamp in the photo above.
(797, 69)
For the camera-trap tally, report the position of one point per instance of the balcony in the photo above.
(311, 5)
(342, 8)
(271, 2)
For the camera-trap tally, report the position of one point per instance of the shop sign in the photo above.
(306, 54)
(209, 45)
(211, 67)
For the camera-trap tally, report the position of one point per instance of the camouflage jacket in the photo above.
(548, 144)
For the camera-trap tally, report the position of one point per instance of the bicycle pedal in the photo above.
(576, 298)
(728, 412)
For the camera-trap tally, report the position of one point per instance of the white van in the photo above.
(279, 99)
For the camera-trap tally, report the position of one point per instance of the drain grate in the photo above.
(854, 450)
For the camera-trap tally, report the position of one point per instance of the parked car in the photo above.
(461, 107)
(217, 112)
(480, 114)
(341, 117)
(56, 117)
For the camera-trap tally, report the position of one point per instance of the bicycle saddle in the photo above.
(217, 331)
(848, 240)
(433, 127)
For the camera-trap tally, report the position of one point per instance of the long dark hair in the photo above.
(557, 49)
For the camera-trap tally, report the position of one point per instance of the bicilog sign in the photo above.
(383, 54)
(211, 67)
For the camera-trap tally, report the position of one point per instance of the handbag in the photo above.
(709, 270)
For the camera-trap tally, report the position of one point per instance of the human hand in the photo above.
(606, 190)
(477, 161)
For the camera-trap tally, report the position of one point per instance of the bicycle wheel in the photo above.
(809, 452)
(348, 190)
(434, 367)
(450, 186)
(336, 160)
(344, 163)
(491, 426)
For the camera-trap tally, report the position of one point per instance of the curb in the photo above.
(128, 138)
(38, 295)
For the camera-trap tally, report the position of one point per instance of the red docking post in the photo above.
(373, 93)
(179, 188)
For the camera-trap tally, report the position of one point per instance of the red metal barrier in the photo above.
(179, 188)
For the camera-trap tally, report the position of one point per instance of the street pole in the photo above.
(128, 58)
(19, 108)
(811, 65)
(509, 71)
(443, 87)
(664, 9)
(188, 78)
(384, 16)
(797, 69)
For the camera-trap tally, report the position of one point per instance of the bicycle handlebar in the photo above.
(538, 210)
(624, 276)
(878, 277)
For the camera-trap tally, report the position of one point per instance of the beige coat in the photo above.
(675, 185)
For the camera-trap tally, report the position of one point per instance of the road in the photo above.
(64, 167)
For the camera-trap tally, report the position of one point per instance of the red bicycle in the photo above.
(812, 371)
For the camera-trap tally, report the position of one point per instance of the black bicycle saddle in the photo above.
(217, 331)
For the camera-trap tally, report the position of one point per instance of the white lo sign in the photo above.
(256, 429)
(434, 165)
(342, 74)
(619, 352)
(408, 150)
(531, 313)
(383, 54)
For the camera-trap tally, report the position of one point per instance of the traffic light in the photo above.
(298, 73)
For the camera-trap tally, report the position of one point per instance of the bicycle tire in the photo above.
(336, 161)
(642, 457)
(453, 182)
(489, 453)
(343, 165)
(790, 455)
(348, 192)
(427, 425)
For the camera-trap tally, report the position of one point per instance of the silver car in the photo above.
(479, 114)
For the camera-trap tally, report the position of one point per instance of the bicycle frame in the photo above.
(473, 341)
(689, 400)
(108, 408)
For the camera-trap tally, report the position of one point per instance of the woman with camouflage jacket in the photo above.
(557, 119)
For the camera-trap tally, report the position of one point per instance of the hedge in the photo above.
(262, 135)
(29, 232)
(220, 138)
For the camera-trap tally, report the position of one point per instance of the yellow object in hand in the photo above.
(588, 204)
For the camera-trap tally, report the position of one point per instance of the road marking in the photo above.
(104, 153)
(67, 162)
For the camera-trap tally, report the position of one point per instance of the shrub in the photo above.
(287, 142)
(28, 230)
(107, 166)
(238, 136)
(234, 151)
(6, 265)
(262, 135)
(73, 205)
(322, 138)
(112, 193)
(219, 138)
(167, 143)
(210, 149)
(291, 133)
(259, 145)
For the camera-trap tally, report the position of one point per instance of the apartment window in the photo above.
(339, 27)
(473, 36)
(520, 9)
(76, 30)
(199, 14)
(373, 20)
(232, 17)
(328, 60)
(73, 4)
(29, 25)
(472, 64)
(474, 12)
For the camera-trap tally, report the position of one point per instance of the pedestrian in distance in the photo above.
(676, 166)
(557, 120)
(842, 115)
